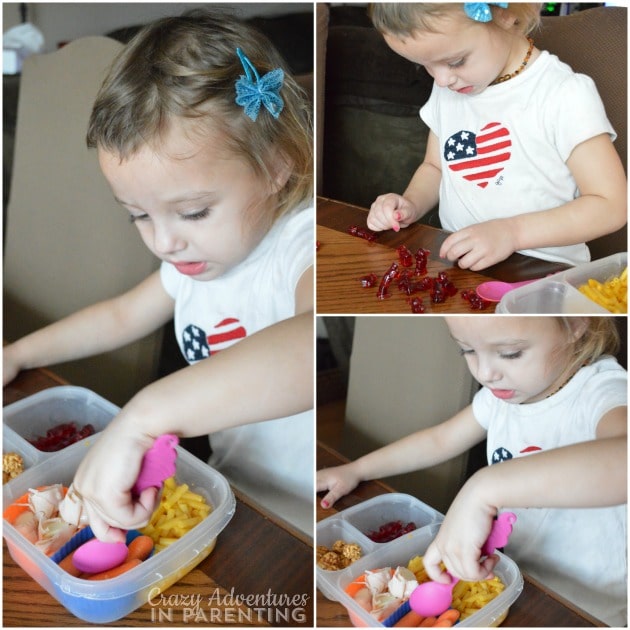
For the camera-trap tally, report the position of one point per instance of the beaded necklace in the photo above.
(507, 77)
(568, 379)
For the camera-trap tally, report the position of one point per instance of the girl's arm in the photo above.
(587, 474)
(419, 450)
(600, 209)
(98, 328)
(392, 211)
(264, 376)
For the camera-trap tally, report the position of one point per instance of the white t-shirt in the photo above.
(504, 151)
(271, 461)
(579, 553)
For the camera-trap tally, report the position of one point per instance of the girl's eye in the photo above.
(512, 355)
(133, 218)
(195, 216)
(464, 352)
(457, 64)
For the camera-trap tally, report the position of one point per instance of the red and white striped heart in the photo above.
(478, 158)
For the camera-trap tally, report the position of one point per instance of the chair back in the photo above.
(67, 243)
(594, 42)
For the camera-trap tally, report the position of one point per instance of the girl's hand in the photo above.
(106, 475)
(339, 481)
(458, 544)
(10, 365)
(391, 212)
(479, 246)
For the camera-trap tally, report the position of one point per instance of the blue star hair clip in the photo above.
(252, 89)
(480, 11)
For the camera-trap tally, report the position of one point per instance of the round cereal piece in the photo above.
(321, 551)
(338, 546)
(352, 551)
(329, 561)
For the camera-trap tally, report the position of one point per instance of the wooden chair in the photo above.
(594, 42)
(67, 243)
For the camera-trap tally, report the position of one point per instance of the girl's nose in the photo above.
(444, 77)
(165, 239)
(486, 371)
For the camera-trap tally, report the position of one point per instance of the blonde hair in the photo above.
(401, 19)
(186, 67)
(599, 337)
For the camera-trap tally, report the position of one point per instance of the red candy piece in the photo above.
(390, 531)
(404, 255)
(368, 235)
(60, 436)
(368, 281)
(392, 273)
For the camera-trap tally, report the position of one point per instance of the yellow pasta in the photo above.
(468, 597)
(612, 294)
(178, 512)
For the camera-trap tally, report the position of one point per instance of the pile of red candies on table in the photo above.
(61, 435)
(391, 531)
(440, 288)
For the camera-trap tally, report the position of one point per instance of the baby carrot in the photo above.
(354, 587)
(116, 571)
(140, 547)
(67, 565)
(16, 508)
(427, 622)
(451, 615)
(411, 620)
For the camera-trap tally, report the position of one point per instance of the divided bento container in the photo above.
(559, 292)
(31, 417)
(352, 524)
(109, 600)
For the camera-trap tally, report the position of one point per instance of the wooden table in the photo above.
(256, 555)
(342, 259)
(536, 606)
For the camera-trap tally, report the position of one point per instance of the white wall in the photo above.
(406, 373)
(64, 21)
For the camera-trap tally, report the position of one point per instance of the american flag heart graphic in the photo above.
(197, 345)
(478, 156)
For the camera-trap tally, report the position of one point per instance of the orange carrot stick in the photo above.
(67, 565)
(449, 615)
(354, 587)
(140, 547)
(411, 620)
(116, 571)
(427, 622)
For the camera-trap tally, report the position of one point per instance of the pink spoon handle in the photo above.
(158, 464)
(499, 534)
(433, 598)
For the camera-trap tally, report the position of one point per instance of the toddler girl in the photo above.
(207, 143)
(553, 409)
(519, 152)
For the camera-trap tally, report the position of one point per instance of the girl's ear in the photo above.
(577, 327)
(281, 172)
(503, 18)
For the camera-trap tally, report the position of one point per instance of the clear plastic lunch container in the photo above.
(559, 292)
(109, 600)
(31, 417)
(398, 552)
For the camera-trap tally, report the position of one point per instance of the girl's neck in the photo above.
(522, 55)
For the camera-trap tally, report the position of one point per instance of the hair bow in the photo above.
(252, 89)
(480, 11)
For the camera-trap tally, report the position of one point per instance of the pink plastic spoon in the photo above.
(494, 290)
(431, 599)
(158, 465)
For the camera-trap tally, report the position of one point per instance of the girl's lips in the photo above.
(190, 268)
(466, 90)
(503, 394)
